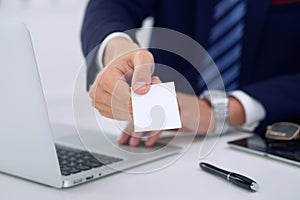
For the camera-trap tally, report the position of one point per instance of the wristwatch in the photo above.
(219, 102)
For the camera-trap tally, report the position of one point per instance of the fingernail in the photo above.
(148, 143)
(140, 85)
(120, 142)
(133, 142)
(119, 139)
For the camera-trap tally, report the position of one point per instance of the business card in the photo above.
(157, 109)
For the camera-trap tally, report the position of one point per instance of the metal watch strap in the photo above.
(219, 102)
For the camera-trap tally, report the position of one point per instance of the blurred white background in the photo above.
(55, 30)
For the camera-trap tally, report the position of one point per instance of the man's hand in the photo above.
(132, 138)
(196, 115)
(125, 65)
(128, 65)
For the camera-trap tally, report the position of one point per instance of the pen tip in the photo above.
(254, 187)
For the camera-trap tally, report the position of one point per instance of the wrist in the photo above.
(116, 47)
(236, 112)
(219, 101)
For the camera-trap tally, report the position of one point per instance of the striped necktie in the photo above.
(225, 45)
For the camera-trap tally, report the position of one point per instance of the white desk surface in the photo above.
(182, 180)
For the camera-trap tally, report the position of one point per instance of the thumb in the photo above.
(143, 68)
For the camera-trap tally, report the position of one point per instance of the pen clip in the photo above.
(244, 178)
(243, 181)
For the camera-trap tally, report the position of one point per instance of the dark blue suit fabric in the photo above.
(270, 63)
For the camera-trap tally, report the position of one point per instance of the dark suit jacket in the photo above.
(270, 70)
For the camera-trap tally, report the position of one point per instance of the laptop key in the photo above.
(80, 161)
(87, 157)
(71, 164)
(82, 167)
(65, 173)
(93, 164)
(63, 162)
(64, 168)
(73, 158)
(74, 171)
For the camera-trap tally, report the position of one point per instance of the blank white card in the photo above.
(157, 109)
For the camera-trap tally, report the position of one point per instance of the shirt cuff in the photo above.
(254, 110)
(99, 59)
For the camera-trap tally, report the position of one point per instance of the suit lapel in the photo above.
(255, 20)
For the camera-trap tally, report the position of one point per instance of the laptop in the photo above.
(27, 147)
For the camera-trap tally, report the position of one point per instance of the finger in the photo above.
(152, 138)
(135, 139)
(143, 68)
(121, 97)
(111, 107)
(119, 89)
(113, 80)
(126, 134)
(101, 96)
(92, 90)
(116, 113)
(155, 80)
(117, 103)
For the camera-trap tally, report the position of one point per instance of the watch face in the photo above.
(282, 131)
(288, 129)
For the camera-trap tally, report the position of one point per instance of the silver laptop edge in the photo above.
(27, 148)
(25, 132)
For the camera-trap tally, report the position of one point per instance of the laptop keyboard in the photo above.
(73, 161)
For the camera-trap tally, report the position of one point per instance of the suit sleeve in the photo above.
(103, 17)
(280, 97)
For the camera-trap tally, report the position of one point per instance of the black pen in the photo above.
(234, 178)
